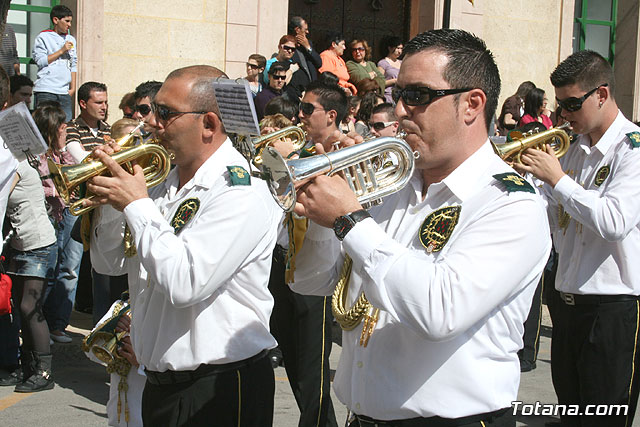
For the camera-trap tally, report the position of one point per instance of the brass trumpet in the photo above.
(556, 137)
(370, 182)
(297, 135)
(67, 177)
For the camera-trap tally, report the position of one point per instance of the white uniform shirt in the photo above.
(199, 296)
(451, 322)
(598, 248)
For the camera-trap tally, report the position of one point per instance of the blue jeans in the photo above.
(64, 100)
(59, 303)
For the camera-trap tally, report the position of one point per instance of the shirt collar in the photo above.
(102, 125)
(464, 181)
(611, 136)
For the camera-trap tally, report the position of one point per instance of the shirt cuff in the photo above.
(319, 233)
(564, 188)
(362, 240)
(140, 213)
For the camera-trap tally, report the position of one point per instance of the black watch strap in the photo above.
(343, 224)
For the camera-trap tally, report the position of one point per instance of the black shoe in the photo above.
(41, 378)
(14, 378)
(526, 365)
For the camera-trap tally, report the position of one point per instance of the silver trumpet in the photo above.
(373, 169)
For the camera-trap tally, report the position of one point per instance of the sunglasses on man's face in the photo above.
(378, 126)
(275, 77)
(422, 95)
(308, 108)
(143, 109)
(253, 66)
(573, 104)
(163, 112)
(288, 48)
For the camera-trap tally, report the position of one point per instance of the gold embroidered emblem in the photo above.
(601, 175)
(563, 219)
(185, 212)
(438, 226)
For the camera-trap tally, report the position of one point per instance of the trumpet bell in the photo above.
(557, 138)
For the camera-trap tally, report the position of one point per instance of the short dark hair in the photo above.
(329, 78)
(84, 91)
(331, 97)
(17, 81)
(128, 100)
(4, 87)
(294, 22)
(368, 102)
(587, 69)
(49, 116)
(149, 89)
(470, 64)
(278, 66)
(533, 101)
(385, 108)
(281, 105)
(388, 42)
(60, 11)
(525, 88)
(260, 60)
(334, 37)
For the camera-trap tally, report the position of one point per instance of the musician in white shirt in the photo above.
(594, 210)
(204, 237)
(448, 264)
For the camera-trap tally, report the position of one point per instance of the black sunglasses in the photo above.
(289, 48)
(143, 109)
(378, 126)
(573, 104)
(273, 76)
(163, 112)
(415, 95)
(308, 109)
(253, 66)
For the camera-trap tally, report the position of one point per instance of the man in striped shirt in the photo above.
(90, 128)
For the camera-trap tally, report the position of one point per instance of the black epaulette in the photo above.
(514, 182)
(239, 175)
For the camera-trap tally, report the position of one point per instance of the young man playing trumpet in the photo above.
(594, 209)
(444, 270)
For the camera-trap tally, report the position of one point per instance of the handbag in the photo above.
(5, 290)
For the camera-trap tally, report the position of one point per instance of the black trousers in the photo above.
(302, 325)
(531, 337)
(502, 418)
(594, 359)
(241, 397)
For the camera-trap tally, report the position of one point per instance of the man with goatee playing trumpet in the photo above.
(204, 237)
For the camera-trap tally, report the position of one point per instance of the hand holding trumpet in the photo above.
(119, 189)
(544, 165)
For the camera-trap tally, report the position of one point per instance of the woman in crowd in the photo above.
(286, 49)
(363, 116)
(332, 62)
(390, 64)
(535, 103)
(32, 261)
(361, 67)
(255, 66)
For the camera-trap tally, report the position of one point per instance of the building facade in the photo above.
(124, 43)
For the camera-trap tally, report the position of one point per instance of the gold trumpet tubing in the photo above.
(66, 178)
(556, 137)
(297, 135)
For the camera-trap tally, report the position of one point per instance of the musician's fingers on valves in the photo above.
(542, 164)
(124, 323)
(324, 198)
(119, 189)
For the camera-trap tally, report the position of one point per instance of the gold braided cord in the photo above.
(348, 319)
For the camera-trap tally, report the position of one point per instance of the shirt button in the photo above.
(359, 364)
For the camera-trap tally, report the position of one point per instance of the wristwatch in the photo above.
(343, 224)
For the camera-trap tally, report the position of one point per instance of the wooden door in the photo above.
(368, 19)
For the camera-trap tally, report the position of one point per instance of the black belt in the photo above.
(488, 417)
(176, 377)
(577, 299)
